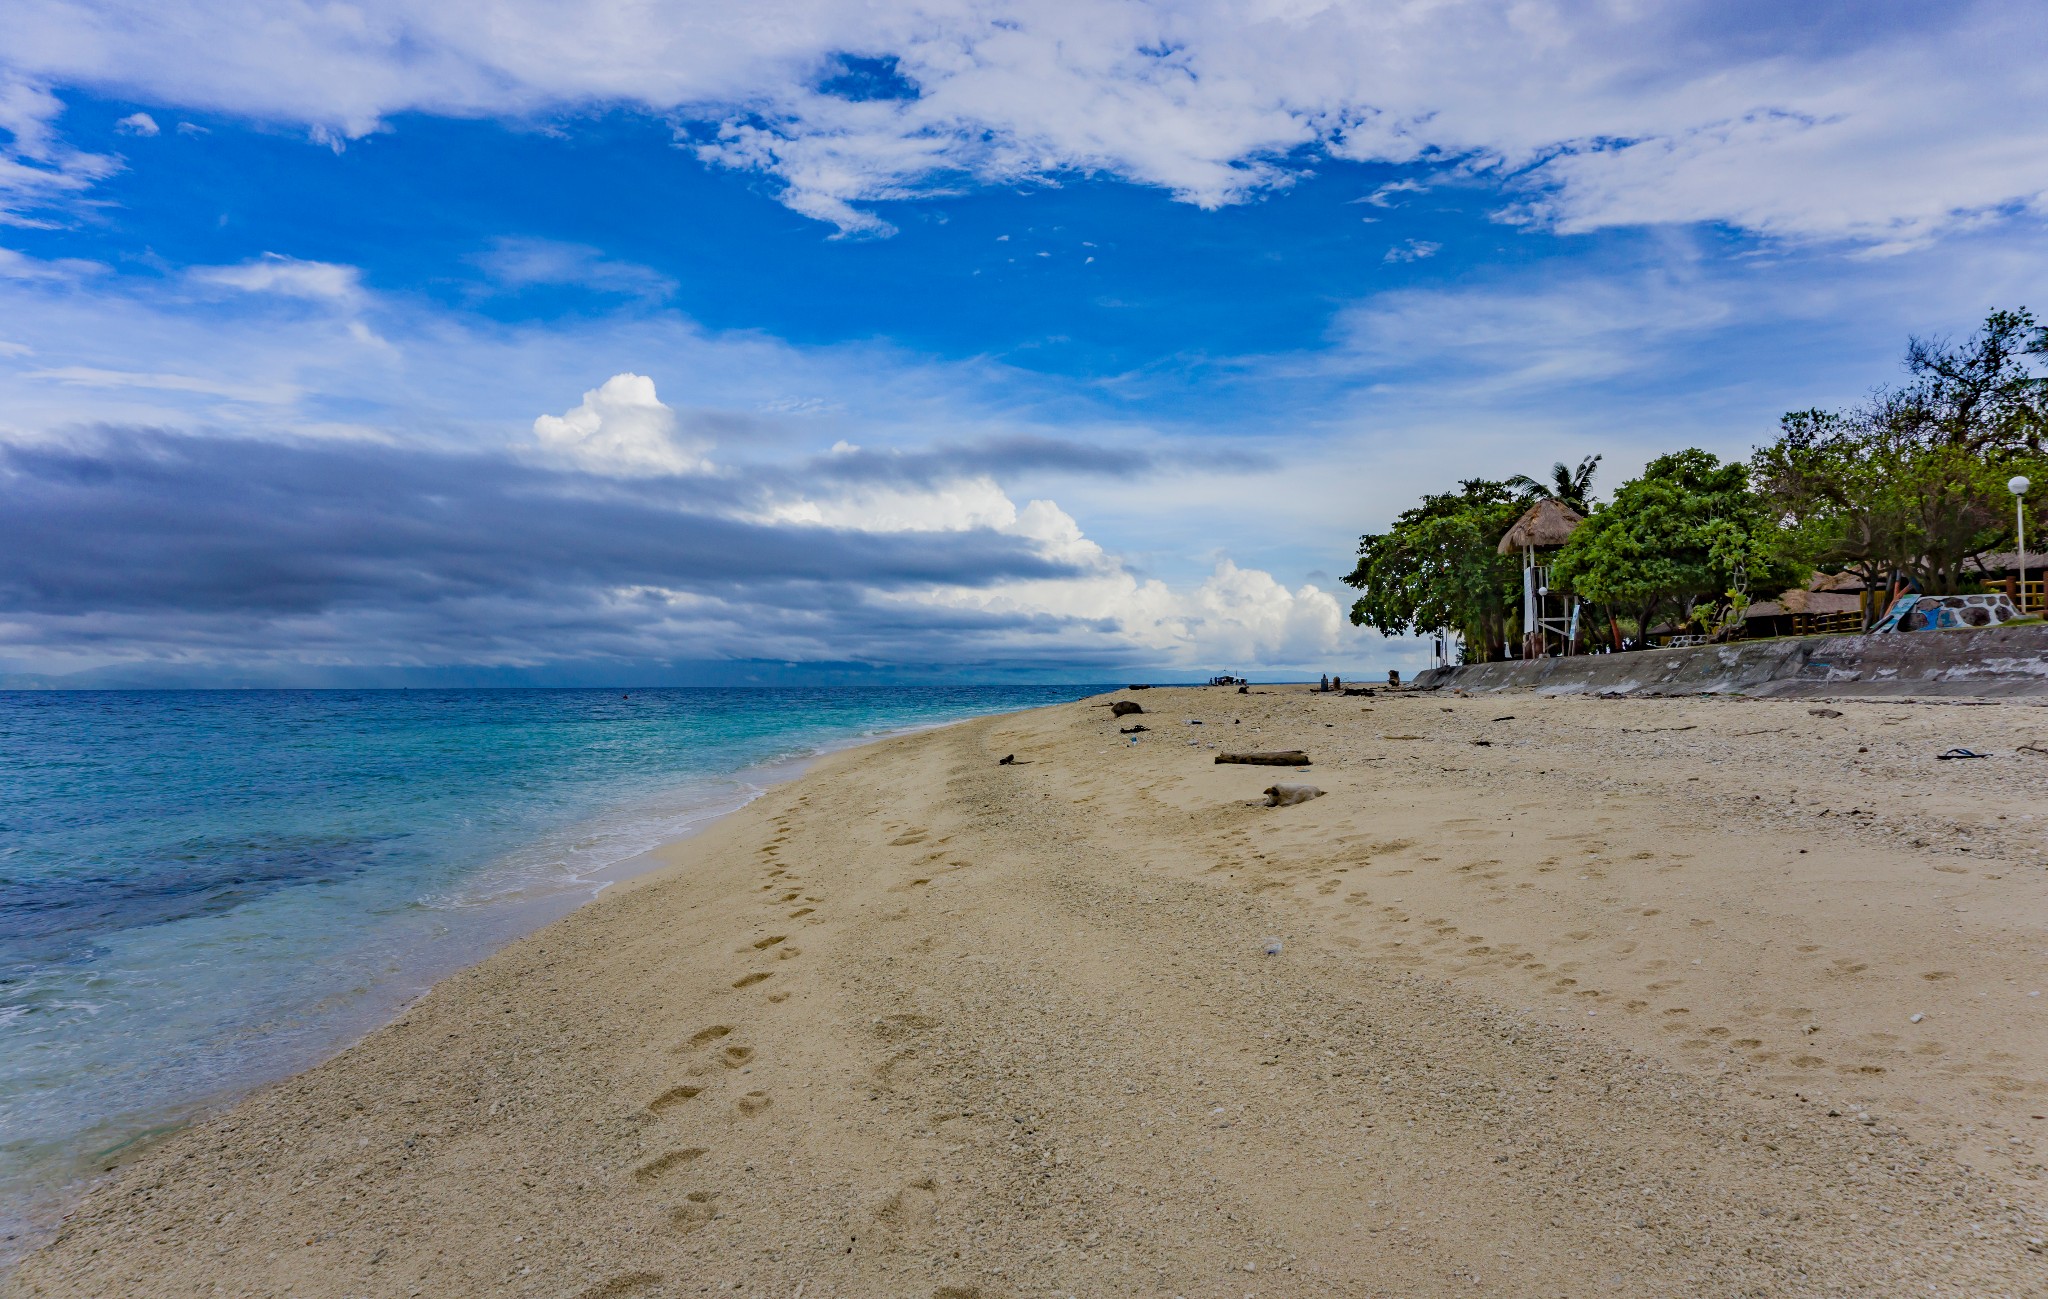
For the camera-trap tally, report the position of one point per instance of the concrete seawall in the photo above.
(1990, 661)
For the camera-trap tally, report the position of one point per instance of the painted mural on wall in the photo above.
(1934, 612)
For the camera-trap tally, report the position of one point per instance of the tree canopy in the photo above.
(1437, 567)
(1912, 481)
(1687, 530)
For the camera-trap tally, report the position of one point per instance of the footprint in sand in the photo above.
(769, 942)
(801, 912)
(752, 1103)
(706, 1036)
(655, 1167)
(749, 980)
(618, 1287)
(910, 1216)
(673, 1097)
(694, 1213)
(735, 1056)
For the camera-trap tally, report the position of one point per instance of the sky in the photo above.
(678, 342)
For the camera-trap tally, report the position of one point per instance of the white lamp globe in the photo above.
(2018, 484)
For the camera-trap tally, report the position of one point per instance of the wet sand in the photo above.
(1620, 1001)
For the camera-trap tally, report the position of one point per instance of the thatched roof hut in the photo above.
(1546, 524)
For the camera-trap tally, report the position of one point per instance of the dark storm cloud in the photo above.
(275, 559)
(996, 457)
(146, 522)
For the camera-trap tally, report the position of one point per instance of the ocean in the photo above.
(201, 891)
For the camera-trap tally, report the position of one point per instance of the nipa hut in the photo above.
(1546, 524)
(1830, 602)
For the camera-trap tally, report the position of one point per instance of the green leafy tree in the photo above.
(1684, 537)
(1912, 482)
(1437, 567)
(1983, 395)
(1864, 493)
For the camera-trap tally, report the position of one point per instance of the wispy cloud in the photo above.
(89, 377)
(275, 273)
(39, 173)
(518, 263)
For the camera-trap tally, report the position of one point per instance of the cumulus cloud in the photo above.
(1884, 122)
(621, 429)
(138, 124)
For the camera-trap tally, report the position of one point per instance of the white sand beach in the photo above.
(1573, 997)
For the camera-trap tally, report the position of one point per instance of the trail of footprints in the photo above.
(1320, 875)
(711, 1053)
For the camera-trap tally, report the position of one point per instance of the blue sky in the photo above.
(519, 342)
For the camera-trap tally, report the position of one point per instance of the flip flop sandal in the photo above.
(1959, 753)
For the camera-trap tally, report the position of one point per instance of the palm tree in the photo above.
(1567, 486)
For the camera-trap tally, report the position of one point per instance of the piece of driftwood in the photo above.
(1284, 758)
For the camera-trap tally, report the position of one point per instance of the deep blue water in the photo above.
(201, 890)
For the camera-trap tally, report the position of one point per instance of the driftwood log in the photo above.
(1284, 758)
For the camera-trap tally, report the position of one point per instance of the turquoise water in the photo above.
(202, 890)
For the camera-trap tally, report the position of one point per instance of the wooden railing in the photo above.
(1826, 624)
(2032, 598)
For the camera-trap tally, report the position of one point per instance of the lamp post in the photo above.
(2018, 485)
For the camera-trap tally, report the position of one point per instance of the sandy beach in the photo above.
(1574, 997)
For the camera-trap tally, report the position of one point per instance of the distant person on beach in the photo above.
(1325, 687)
(1337, 683)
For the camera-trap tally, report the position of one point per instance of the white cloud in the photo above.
(17, 266)
(523, 262)
(37, 170)
(1234, 617)
(1883, 123)
(287, 277)
(1413, 250)
(138, 124)
(90, 377)
(622, 430)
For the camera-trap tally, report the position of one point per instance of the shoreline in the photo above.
(1560, 989)
(493, 921)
